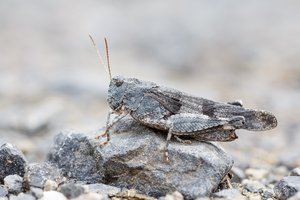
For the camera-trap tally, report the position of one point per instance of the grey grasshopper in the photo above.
(180, 114)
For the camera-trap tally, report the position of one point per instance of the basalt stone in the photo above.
(12, 161)
(38, 173)
(287, 187)
(134, 158)
(73, 154)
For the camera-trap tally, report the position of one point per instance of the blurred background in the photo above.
(50, 77)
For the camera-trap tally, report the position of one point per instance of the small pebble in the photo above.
(295, 172)
(36, 192)
(50, 185)
(267, 193)
(253, 186)
(91, 196)
(12, 197)
(238, 175)
(295, 197)
(174, 196)
(104, 189)
(71, 190)
(287, 187)
(12, 161)
(14, 183)
(51, 195)
(229, 194)
(38, 173)
(3, 191)
(256, 174)
(23, 196)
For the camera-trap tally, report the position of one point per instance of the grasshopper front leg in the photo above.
(109, 125)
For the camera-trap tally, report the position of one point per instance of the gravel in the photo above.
(12, 161)
(14, 183)
(287, 187)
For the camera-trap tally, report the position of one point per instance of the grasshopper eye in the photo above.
(119, 83)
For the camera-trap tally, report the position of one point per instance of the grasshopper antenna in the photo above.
(100, 57)
(107, 57)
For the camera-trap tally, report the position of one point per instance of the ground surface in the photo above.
(50, 78)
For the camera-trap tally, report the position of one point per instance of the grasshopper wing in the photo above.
(179, 102)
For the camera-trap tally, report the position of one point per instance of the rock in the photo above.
(3, 191)
(253, 186)
(135, 159)
(132, 195)
(229, 194)
(3, 198)
(268, 194)
(71, 190)
(103, 189)
(14, 183)
(50, 195)
(36, 192)
(23, 196)
(38, 173)
(50, 185)
(12, 161)
(174, 196)
(237, 174)
(74, 155)
(12, 197)
(256, 174)
(295, 197)
(287, 187)
(295, 172)
(91, 196)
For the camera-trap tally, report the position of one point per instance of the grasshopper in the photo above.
(180, 114)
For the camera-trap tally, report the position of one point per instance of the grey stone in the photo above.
(103, 189)
(50, 195)
(38, 173)
(23, 196)
(71, 190)
(14, 183)
(132, 194)
(36, 192)
(256, 174)
(135, 159)
(174, 196)
(3, 191)
(92, 196)
(12, 161)
(12, 197)
(295, 197)
(229, 194)
(295, 172)
(238, 174)
(287, 187)
(50, 185)
(74, 155)
(253, 186)
(267, 194)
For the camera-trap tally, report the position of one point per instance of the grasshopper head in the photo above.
(116, 92)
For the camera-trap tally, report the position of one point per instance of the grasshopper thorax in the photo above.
(127, 93)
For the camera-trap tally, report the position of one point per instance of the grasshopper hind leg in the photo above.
(202, 128)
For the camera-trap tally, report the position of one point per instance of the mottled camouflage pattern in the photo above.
(182, 114)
